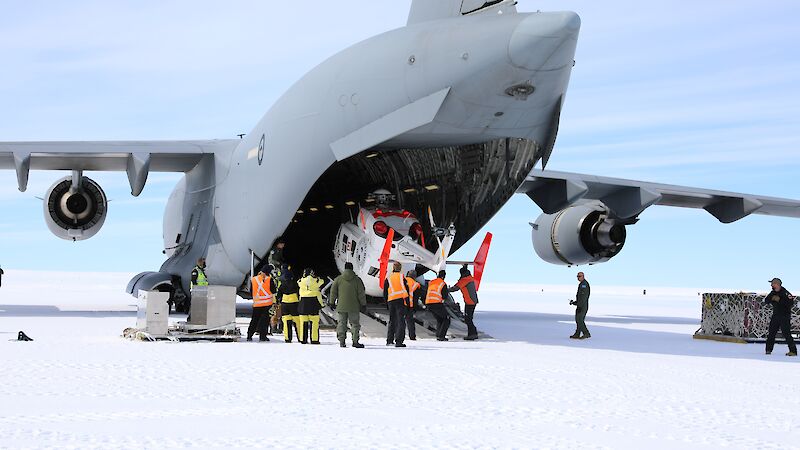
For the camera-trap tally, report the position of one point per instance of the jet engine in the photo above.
(581, 234)
(75, 208)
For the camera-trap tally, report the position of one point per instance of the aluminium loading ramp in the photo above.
(375, 321)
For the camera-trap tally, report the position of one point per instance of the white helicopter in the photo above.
(381, 234)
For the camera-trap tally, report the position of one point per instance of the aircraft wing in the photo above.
(137, 158)
(554, 191)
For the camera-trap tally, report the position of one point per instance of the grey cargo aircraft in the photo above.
(450, 113)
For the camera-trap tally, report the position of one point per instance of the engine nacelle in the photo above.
(583, 234)
(75, 211)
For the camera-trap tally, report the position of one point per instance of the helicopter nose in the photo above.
(545, 41)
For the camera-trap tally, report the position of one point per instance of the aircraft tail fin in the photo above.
(427, 10)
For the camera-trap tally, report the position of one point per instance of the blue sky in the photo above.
(704, 94)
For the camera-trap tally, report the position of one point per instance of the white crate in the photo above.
(153, 312)
(213, 306)
(221, 306)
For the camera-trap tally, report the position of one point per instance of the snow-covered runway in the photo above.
(640, 382)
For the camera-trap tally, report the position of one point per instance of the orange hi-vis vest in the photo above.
(262, 294)
(435, 291)
(463, 285)
(397, 287)
(412, 287)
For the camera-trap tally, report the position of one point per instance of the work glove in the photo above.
(363, 309)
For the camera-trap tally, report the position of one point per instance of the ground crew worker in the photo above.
(782, 302)
(581, 303)
(276, 312)
(310, 305)
(199, 274)
(1, 276)
(276, 254)
(348, 297)
(289, 299)
(414, 294)
(262, 288)
(198, 278)
(395, 292)
(275, 274)
(466, 284)
(434, 302)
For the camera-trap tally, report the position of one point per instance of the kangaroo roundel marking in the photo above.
(261, 149)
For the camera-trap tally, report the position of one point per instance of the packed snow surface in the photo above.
(641, 381)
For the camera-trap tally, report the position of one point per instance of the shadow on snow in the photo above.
(555, 329)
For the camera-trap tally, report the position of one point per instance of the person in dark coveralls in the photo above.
(395, 293)
(289, 300)
(262, 288)
(276, 254)
(782, 302)
(348, 297)
(581, 303)
(466, 284)
(434, 303)
(415, 294)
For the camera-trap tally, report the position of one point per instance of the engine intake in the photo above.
(583, 234)
(75, 211)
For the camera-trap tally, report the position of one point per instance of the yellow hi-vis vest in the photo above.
(397, 289)
(290, 298)
(310, 287)
(201, 277)
(434, 291)
(262, 294)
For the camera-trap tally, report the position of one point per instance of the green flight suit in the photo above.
(581, 308)
(348, 297)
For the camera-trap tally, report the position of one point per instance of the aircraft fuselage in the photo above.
(492, 85)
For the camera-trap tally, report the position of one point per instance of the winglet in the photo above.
(480, 260)
(384, 260)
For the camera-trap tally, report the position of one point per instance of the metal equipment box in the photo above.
(213, 307)
(152, 316)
